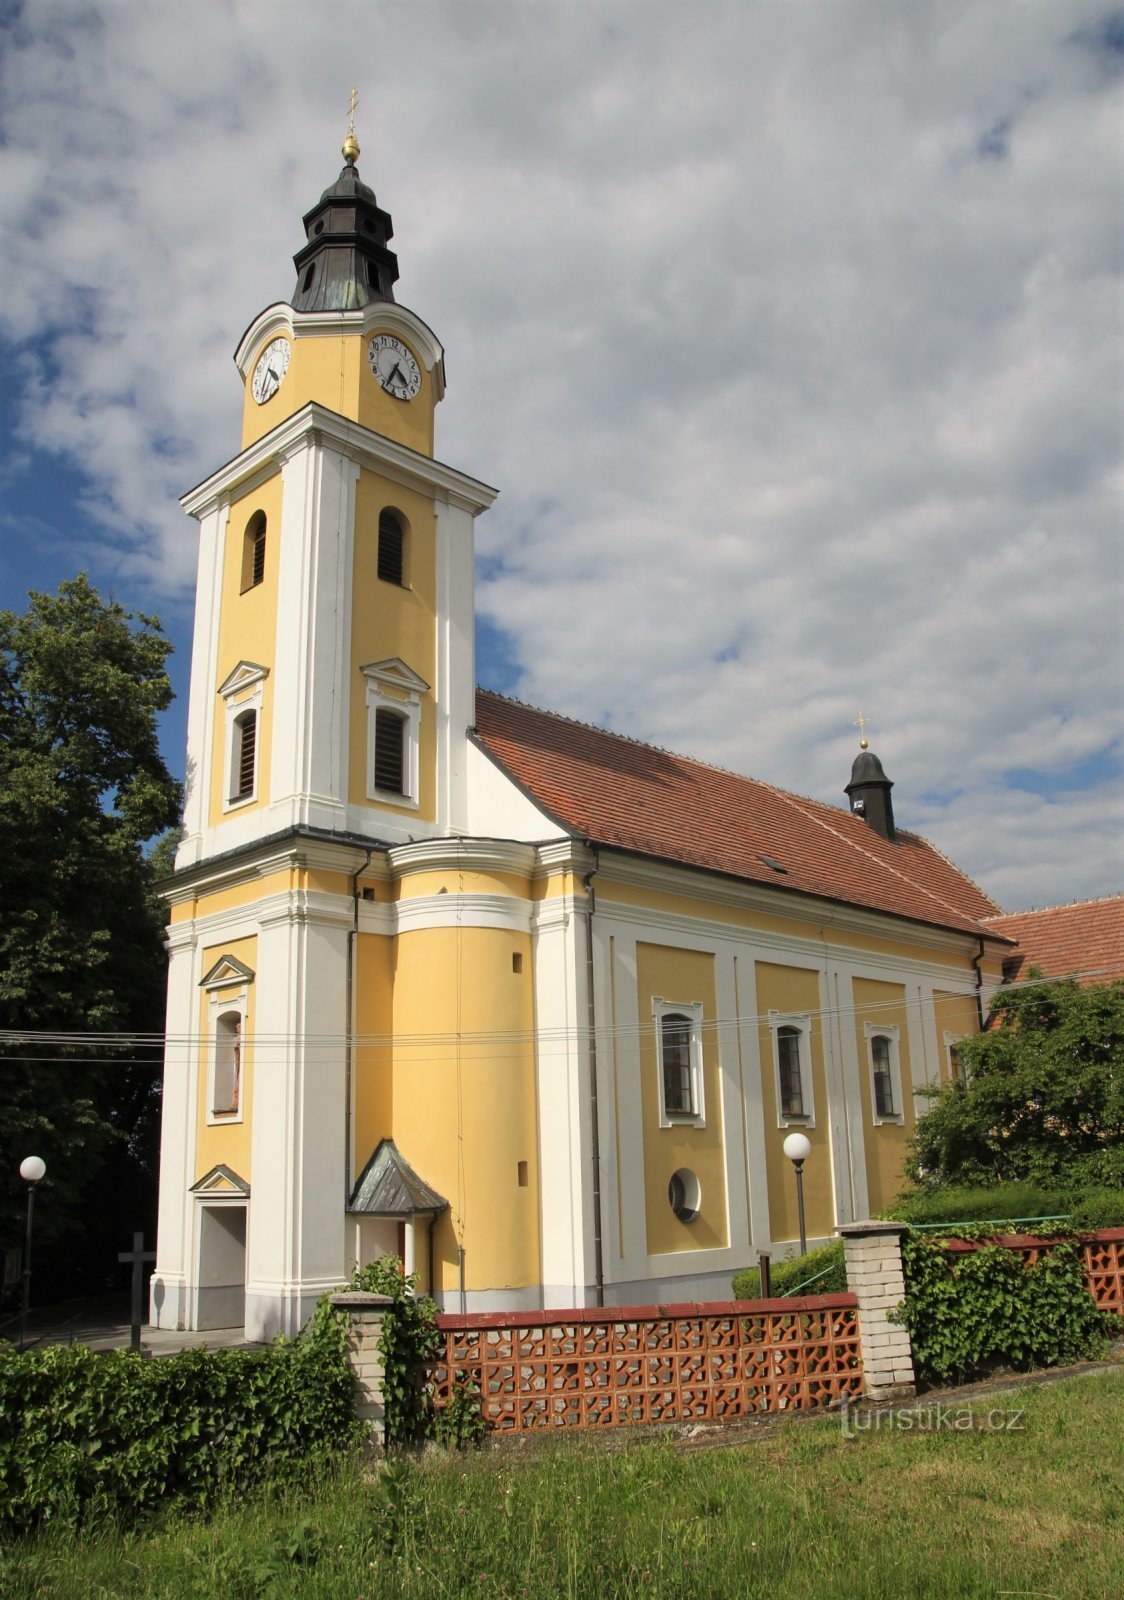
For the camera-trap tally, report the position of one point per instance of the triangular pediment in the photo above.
(222, 1180)
(395, 674)
(245, 675)
(226, 970)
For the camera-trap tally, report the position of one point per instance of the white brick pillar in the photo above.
(874, 1276)
(364, 1313)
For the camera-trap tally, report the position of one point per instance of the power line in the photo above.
(80, 1045)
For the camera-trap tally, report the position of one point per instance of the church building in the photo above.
(531, 1004)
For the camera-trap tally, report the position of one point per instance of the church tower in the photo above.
(331, 689)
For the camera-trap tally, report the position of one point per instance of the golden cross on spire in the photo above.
(861, 726)
(351, 143)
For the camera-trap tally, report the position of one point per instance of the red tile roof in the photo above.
(630, 796)
(1085, 938)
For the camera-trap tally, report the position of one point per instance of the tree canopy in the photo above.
(1042, 1096)
(83, 788)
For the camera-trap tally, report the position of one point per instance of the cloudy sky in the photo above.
(788, 329)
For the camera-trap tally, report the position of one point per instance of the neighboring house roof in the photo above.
(1084, 939)
(389, 1187)
(630, 796)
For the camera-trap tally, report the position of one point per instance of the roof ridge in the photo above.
(663, 750)
(1065, 905)
(869, 854)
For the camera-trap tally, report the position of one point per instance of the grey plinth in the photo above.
(874, 1276)
(364, 1314)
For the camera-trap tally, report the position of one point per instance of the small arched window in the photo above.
(244, 764)
(390, 752)
(373, 276)
(788, 1068)
(881, 1055)
(308, 277)
(253, 552)
(228, 1064)
(675, 1060)
(392, 548)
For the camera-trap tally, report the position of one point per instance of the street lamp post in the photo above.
(32, 1169)
(798, 1148)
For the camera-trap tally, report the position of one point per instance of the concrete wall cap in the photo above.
(868, 1230)
(359, 1300)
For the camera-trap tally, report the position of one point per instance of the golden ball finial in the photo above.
(350, 149)
(864, 744)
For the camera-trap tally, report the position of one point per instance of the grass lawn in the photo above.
(1000, 1505)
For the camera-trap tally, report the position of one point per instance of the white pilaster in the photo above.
(455, 688)
(169, 1291)
(565, 1121)
(204, 682)
(296, 1233)
(308, 769)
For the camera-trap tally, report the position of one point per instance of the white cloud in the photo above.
(788, 333)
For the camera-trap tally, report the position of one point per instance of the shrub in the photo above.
(1085, 1206)
(789, 1275)
(988, 1309)
(998, 1202)
(84, 1435)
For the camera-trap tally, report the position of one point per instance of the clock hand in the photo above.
(397, 369)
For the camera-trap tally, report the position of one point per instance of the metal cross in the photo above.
(138, 1255)
(861, 726)
(351, 111)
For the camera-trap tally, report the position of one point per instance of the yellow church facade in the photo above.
(531, 1004)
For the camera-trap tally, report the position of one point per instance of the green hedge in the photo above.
(785, 1276)
(85, 1435)
(1086, 1207)
(970, 1313)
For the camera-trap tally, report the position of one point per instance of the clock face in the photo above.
(394, 366)
(271, 368)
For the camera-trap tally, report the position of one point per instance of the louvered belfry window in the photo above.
(245, 754)
(788, 1067)
(675, 1060)
(392, 541)
(253, 554)
(390, 749)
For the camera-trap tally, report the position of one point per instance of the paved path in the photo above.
(107, 1329)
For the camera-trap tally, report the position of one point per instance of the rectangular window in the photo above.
(228, 1065)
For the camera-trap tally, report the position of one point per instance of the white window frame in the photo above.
(228, 994)
(393, 686)
(892, 1032)
(951, 1041)
(242, 691)
(802, 1022)
(693, 1011)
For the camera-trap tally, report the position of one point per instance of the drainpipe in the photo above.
(595, 1139)
(976, 959)
(349, 1011)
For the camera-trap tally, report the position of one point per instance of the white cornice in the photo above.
(314, 424)
(281, 318)
(673, 878)
(276, 855)
(464, 855)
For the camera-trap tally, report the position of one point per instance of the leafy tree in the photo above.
(1043, 1097)
(83, 787)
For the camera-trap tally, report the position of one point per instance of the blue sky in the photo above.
(790, 334)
